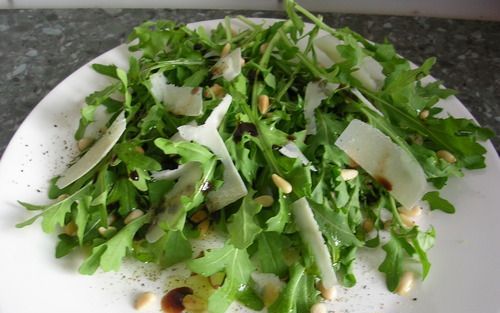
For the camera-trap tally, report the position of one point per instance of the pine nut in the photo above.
(70, 229)
(264, 200)
(234, 32)
(203, 227)
(327, 293)
(405, 284)
(281, 183)
(242, 62)
(348, 174)
(133, 215)
(106, 232)
(263, 48)
(62, 197)
(84, 143)
(447, 156)
(216, 280)
(407, 221)
(139, 149)
(318, 308)
(270, 294)
(387, 224)
(413, 212)
(225, 50)
(144, 300)
(424, 114)
(216, 90)
(263, 104)
(199, 216)
(368, 225)
(194, 303)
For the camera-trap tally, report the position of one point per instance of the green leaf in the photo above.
(128, 153)
(237, 266)
(242, 225)
(172, 248)
(107, 70)
(438, 203)
(392, 265)
(287, 301)
(82, 215)
(54, 215)
(278, 222)
(334, 225)
(270, 248)
(422, 243)
(109, 255)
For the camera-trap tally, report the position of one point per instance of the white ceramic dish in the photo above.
(465, 276)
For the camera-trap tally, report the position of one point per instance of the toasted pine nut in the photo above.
(194, 303)
(263, 47)
(133, 215)
(387, 224)
(281, 183)
(242, 62)
(447, 156)
(139, 149)
(424, 114)
(413, 212)
(203, 228)
(368, 225)
(216, 90)
(199, 216)
(225, 50)
(407, 220)
(327, 293)
(144, 300)
(405, 284)
(264, 200)
(263, 104)
(270, 294)
(234, 32)
(348, 174)
(216, 280)
(106, 231)
(70, 229)
(62, 197)
(318, 308)
(84, 143)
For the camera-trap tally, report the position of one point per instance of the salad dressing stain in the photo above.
(134, 176)
(243, 128)
(384, 182)
(172, 301)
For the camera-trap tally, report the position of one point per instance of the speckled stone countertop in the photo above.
(39, 48)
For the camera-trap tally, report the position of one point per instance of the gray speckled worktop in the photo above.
(39, 48)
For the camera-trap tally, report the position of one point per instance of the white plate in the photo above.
(465, 276)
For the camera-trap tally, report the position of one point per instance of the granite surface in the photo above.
(39, 48)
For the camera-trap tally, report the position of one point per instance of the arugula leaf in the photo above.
(334, 224)
(237, 266)
(128, 153)
(393, 262)
(287, 301)
(242, 226)
(109, 254)
(270, 247)
(55, 214)
(438, 203)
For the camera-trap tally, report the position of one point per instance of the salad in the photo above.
(295, 144)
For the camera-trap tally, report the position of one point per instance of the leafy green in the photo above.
(109, 255)
(438, 203)
(264, 238)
